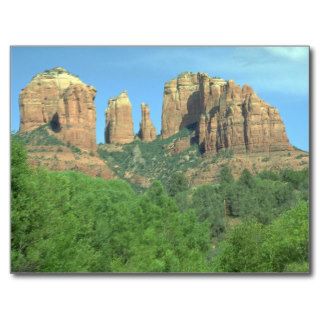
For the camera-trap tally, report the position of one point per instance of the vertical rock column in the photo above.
(147, 131)
(119, 123)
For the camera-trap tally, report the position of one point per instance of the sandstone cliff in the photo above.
(61, 100)
(119, 123)
(147, 131)
(180, 104)
(226, 115)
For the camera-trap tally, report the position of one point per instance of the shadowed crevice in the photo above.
(55, 123)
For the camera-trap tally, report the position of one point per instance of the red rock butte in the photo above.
(61, 100)
(226, 115)
(119, 123)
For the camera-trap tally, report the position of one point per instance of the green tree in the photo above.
(287, 240)
(225, 175)
(19, 168)
(240, 251)
(208, 204)
(177, 183)
(246, 179)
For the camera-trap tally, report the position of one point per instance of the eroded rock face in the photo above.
(227, 116)
(119, 124)
(147, 131)
(181, 101)
(61, 100)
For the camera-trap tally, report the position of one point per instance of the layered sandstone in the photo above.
(180, 104)
(119, 123)
(147, 131)
(227, 116)
(62, 101)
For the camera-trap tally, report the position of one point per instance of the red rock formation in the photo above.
(64, 102)
(119, 124)
(180, 104)
(147, 131)
(228, 116)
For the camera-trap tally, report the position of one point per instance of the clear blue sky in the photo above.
(279, 75)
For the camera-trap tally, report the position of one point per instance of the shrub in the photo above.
(75, 149)
(225, 175)
(177, 183)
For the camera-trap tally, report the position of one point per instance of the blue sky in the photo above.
(279, 75)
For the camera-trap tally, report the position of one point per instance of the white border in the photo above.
(154, 22)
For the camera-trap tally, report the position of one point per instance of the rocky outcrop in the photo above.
(119, 123)
(180, 104)
(178, 146)
(227, 116)
(147, 131)
(62, 101)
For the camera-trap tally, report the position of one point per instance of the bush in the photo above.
(75, 149)
(246, 179)
(225, 175)
(177, 183)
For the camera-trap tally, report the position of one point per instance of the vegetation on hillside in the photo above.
(69, 222)
(278, 247)
(154, 160)
(42, 137)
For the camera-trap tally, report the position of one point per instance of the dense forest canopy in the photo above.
(70, 222)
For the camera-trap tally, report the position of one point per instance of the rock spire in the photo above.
(119, 123)
(147, 131)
